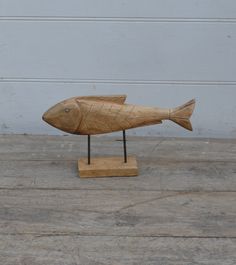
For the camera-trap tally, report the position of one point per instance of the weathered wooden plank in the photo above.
(126, 213)
(119, 8)
(58, 218)
(20, 147)
(80, 250)
(157, 48)
(153, 175)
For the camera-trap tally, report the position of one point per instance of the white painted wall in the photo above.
(158, 52)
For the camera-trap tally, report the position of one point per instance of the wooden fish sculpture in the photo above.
(91, 115)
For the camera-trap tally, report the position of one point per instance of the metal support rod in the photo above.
(89, 152)
(124, 145)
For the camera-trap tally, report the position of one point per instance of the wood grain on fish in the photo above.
(104, 114)
(89, 115)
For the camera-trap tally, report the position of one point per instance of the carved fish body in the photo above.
(103, 114)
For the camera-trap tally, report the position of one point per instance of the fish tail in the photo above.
(182, 114)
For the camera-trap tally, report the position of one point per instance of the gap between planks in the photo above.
(110, 235)
(102, 189)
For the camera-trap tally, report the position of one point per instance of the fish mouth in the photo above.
(51, 115)
(47, 118)
(44, 117)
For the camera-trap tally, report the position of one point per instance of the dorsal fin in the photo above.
(119, 99)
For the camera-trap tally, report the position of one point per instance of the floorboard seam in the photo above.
(85, 189)
(111, 235)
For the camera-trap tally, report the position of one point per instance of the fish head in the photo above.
(64, 115)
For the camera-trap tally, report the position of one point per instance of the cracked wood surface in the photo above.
(72, 250)
(180, 210)
(126, 213)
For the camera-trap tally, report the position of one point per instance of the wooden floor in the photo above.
(180, 210)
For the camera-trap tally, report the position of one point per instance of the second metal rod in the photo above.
(124, 145)
(89, 152)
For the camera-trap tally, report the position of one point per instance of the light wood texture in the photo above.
(180, 209)
(105, 114)
(108, 167)
(119, 99)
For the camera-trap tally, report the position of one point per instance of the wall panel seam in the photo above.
(116, 19)
(116, 81)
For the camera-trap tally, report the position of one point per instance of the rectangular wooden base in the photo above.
(107, 167)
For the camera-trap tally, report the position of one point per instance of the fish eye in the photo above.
(67, 110)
